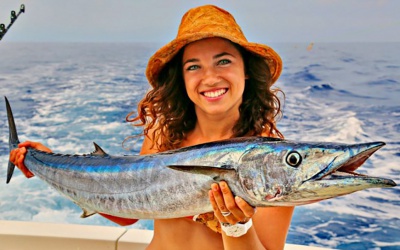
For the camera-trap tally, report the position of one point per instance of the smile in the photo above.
(216, 93)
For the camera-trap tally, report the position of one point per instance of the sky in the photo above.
(158, 20)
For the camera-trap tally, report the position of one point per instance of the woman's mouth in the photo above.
(214, 93)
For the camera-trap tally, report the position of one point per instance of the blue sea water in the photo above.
(67, 95)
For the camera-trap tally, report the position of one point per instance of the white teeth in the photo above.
(213, 94)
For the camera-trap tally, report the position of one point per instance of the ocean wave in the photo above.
(327, 90)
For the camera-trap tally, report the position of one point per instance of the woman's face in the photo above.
(214, 75)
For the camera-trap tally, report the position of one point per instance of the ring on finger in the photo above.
(245, 220)
(226, 214)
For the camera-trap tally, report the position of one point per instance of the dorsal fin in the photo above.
(98, 150)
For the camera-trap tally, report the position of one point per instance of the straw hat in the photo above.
(205, 22)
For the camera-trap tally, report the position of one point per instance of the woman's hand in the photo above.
(17, 156)
(229, 209)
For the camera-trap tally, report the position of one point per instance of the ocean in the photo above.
(69, 95)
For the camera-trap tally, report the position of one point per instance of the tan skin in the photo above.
(214, 77)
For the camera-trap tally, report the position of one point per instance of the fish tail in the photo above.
(13, 138)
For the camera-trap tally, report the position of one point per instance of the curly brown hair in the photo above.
(169, 114)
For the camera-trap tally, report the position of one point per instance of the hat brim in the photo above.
(158, 61)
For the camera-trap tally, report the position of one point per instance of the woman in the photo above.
(209, 84)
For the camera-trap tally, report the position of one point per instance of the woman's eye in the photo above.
(192, 67)
(224, 61)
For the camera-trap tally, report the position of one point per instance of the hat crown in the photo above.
(205, 22)
(210, 19)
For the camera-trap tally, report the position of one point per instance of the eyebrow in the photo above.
(222, 54)
(214, 57)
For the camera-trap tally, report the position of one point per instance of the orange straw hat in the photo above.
(205, 22)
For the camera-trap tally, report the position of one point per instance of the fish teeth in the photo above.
(217, 93)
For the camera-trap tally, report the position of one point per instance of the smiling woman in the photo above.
(210, 84)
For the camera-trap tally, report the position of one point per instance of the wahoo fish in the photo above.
(263, 171)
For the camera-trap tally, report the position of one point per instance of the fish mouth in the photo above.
(342, 168)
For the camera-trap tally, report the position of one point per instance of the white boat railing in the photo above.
(22, 235)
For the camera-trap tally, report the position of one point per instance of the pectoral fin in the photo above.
(87, 213)
(205, 170)
(119, 220)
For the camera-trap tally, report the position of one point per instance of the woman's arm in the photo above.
(222, 200)
(270, 224)
(147, 146)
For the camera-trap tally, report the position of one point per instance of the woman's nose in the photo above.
(210, 77)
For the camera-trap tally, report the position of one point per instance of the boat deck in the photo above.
(18, 235)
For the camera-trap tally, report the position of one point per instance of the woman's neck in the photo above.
(211, 128)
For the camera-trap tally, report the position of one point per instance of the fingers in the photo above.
(223, 202)
(17, 157)
(218, 203)
(247, 210)
(20, 164)
(35, 145)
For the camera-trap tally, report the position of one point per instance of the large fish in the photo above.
(172, 184)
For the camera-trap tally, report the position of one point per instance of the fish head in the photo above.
(285, 173)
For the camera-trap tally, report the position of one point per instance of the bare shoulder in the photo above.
(267, 134)
(148, 146)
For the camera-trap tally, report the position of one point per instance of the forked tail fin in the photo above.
(13, 139)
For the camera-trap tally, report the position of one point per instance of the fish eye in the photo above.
(293, 159)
